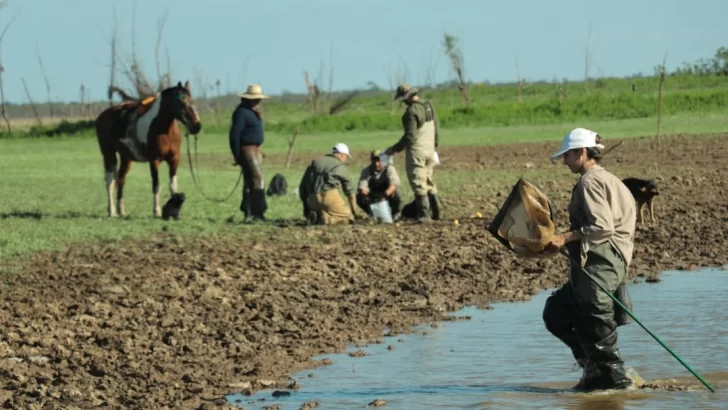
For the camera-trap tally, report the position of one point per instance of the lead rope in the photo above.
(194, 178)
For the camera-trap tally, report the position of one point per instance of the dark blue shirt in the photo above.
(246, 129)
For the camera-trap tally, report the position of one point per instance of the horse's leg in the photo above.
(154, 169)
(110, 177)
(173, 162)
(120, 181)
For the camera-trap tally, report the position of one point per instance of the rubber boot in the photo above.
(258, 204)
(434, 206)
(604, 368)
(423, 209)
(245, 206)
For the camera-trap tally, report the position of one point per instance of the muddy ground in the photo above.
(173, 322)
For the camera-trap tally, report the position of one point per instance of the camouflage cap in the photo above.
(405, 91)
(376, 154)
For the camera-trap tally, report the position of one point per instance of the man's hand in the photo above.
(559, 241)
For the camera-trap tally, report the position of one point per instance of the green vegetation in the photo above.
(53, 188)
(490, 105)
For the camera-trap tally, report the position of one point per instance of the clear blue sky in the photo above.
(281, 38)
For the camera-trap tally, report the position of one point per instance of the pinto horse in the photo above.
(145, 131)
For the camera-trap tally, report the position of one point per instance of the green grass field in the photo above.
(53, 191)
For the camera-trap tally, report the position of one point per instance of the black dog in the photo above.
(173, 206)
(278, 185)
(644, 192)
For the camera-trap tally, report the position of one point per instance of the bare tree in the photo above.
(218, 108)
(659, 101)
(430, 69)
(586, 60)
(291, 143)
(164, 80)
(313, 92)
(395, 76)
(520, 82)
(30, 101)
(452, 50)
(132, 68)
(2, 70)
(331, 81)
(112, 84)
(47, 82)
(82, 93)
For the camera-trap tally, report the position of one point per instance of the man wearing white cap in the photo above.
(246, 140)
(318, 189)
(602, 217)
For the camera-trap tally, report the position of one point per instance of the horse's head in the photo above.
(183, 108)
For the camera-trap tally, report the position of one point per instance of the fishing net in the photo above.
(525, 219)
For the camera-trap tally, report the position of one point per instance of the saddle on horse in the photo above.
(132, 122)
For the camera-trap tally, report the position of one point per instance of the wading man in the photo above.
(377, 182)
(319, 192)
(246, 140)
(420, 139)
(602, 217)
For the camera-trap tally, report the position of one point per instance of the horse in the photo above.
(145, 131)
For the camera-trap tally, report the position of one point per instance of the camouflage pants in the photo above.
(580, 314)
(419, 173)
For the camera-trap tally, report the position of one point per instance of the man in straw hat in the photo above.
(246, 140)
(318, 189)
(420, 139)
(602, 217)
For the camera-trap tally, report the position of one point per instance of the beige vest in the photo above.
(424, 141)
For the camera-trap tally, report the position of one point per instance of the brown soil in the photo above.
(177, 323)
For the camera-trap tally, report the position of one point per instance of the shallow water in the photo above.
(505, 359)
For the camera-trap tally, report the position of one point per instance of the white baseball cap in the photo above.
(578, 138)
(341, 148)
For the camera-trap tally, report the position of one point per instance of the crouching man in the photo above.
(319, 192)
(377, 182)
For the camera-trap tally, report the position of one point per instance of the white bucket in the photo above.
(382, 211)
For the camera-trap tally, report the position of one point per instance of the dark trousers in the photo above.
(364, 202)
(254, 202)
(582, 316)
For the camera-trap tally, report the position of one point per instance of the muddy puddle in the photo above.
(504, 358)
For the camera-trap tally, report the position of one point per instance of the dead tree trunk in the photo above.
(659, 102)
(47, 84)
(291, 143)
(586, 61)
(2, 99)
(32, 104)
(218, 108)
(313, 93)
(2, 88)
(520, 83)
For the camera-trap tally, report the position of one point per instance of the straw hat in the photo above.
(254, 92)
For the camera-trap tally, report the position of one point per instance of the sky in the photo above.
(272, 42)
